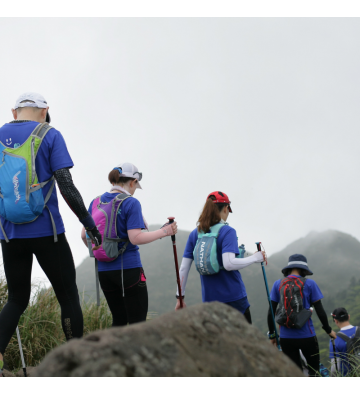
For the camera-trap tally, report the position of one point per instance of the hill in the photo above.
(333, 257)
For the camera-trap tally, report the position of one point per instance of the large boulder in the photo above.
(210, 339)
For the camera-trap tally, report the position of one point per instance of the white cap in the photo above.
(130, 170)
(36, 98)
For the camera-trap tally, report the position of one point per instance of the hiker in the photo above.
(121, 274)
(347, 343)
(292, 298)
(31, 223)
(220, 278)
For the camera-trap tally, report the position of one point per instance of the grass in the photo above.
(40, 325)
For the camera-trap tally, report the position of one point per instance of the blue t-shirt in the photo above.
(311, 294)
(225, 286)
(52, 155)
(129, 216)
(341, 350)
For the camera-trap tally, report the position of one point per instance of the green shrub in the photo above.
(40, 325)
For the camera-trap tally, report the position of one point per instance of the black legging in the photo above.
(310, 349)
(57, 262)
(134, 306)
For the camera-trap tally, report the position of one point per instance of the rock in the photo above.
(29, 372)
(209, 339)
(7, 373)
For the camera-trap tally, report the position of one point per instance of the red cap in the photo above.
(220, 197)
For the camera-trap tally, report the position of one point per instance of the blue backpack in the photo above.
(205, 252)
(21, 195)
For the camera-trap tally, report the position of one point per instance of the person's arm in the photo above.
(323, 318)
(137, 237)
(269, 318)
(83, 236)
(230, 262)
(75, 202)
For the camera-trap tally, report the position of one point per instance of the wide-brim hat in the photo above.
(298, 261)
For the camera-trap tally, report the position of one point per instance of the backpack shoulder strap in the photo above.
(357, 332)
(41, 130)
(343, 336)
(120, 198)
(214, 230)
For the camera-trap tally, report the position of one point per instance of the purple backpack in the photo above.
(104, 215)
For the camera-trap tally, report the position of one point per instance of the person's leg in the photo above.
(136, 297)
(17, 259)
(58, 264)
(291, 348)
(243, 306)
(110, 283)
(310, 350)
(247, 315)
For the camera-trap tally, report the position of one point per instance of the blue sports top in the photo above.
(52, 155)
(225, 286)
(311, 294)
(129, 216)
(341, 350)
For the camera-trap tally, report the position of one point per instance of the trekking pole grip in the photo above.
(171, 220)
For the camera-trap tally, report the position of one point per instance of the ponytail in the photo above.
(210, 215)
(114, 177)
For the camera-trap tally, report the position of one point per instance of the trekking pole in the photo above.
(21, 351)
(91, 253)
(171, 220)
(333, 343)
(258, 244)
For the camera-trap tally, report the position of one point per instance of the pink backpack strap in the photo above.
(96, 202)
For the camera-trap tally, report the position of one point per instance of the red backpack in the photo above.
(290, 311)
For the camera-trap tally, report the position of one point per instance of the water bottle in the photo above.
(241, 251)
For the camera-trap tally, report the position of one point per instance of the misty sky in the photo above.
(265, 110)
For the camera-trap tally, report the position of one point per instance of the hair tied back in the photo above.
(119, 169)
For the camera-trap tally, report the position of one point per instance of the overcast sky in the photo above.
(265, 110)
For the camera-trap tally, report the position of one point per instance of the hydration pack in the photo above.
(205, 252)
(104, 215)
(290, 311)
(21, 195)
(352, 347)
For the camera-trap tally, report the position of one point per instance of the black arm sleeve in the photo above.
(322, 316)
(70, 193)
(269, 318)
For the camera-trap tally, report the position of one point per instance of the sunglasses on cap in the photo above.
(140, 175)
(119, 169)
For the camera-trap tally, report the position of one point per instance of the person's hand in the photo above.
(259, 256)
(95, 237)
(273, 342)
(177, 307)
(169, 229)
(332, 334)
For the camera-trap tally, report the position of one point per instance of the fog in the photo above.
(265, 110)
